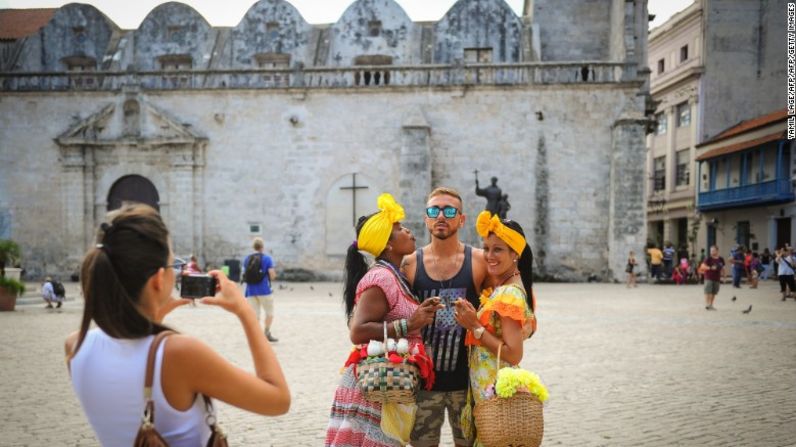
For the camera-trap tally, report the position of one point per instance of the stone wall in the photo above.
(744, 46)
(574, 30)
(280, 172)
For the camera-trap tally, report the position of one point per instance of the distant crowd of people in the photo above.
(667, 264)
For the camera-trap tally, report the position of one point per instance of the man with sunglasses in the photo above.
(449, 269)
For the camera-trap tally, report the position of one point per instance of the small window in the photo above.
(662, 123)
(478, 55)
(272, 29)
(79, 63)
(174, 32)
(684, 53)
(661, 66)
(175, 62)
(659, 174)
(683, 173)
(255, 228)
(683, 115)
(279, 61)
(374, 28)
(78, 29)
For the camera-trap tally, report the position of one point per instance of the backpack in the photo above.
(254, 273)
(58, 288)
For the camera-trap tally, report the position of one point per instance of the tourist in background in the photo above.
(258, 273)
(767, 261)
(53, 293)
(712, 268)
(656, 262)
(631, 269)
(785, 270)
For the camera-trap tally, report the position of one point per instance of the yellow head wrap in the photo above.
(487, 223)
(377, 230)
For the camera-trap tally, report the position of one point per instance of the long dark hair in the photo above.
(524, 264)
(133, 247)
(355, 268)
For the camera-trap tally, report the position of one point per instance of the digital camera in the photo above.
(197, 286)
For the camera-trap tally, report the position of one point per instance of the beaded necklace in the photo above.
(402, 279)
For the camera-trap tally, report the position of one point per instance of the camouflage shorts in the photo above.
(430, 416)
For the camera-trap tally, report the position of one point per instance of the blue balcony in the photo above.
(770, 192)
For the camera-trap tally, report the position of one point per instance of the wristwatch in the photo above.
(478, 332)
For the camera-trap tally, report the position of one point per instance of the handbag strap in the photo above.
(149, 410)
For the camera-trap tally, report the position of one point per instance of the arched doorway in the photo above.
(133, 189)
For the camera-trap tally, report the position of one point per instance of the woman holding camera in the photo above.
(505, 317)
(127, 281)
(375, 295)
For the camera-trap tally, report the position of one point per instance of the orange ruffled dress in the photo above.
(505, 301)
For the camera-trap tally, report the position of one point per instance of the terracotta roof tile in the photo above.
(18, 23)
(737, 147)
(744, 126)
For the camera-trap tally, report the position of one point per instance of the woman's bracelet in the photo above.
(404, 327)
(397, 326)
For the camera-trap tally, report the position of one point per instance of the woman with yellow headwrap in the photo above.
(374, 295)
(505, 317)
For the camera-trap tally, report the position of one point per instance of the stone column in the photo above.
(626, 227)
(415, 178)
(180, 219)
(76, 196)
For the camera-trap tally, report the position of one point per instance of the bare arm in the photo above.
(512, 333)
(271, 274)
(479, 270)
(190, 366)
(409, 267)
(367, 323)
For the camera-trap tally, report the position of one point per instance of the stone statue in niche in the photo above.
(493, 194)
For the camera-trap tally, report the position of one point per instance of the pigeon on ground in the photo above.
(733, 298)
(312, 288)
(291, 289)
(747, 310)
(330, 294)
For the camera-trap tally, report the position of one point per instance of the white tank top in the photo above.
(108, 378)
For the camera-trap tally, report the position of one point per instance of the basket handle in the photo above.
(385, 339)
(497, 361)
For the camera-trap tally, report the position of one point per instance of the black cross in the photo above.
(353, 189)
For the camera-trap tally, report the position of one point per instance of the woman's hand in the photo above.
(424, 314)
(465, 314)
(228, 295)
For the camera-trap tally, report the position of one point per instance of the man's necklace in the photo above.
(402, 279)
(435, 257)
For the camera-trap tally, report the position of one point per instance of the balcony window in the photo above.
(175, 62)
(659, 174)
(661, 66)
(79, 63)
(662, 123)
(683, 171)
(375, 76)
(477, 55)
(272, 30)
(280, 61)
(683, 115)
(684, 53)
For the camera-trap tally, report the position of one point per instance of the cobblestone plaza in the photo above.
(625, 367)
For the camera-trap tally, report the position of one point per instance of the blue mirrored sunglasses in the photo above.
(449, 212)
(178, 264)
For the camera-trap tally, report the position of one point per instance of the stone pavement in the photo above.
(625, 367)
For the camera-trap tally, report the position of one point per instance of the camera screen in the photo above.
(197, 286)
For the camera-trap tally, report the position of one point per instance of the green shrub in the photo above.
(12, 284)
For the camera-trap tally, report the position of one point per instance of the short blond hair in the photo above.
(258, 243)
(445, 191)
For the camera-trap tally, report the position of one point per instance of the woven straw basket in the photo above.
(383, 381)
(514, 421)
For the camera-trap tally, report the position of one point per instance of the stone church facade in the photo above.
(286, 130)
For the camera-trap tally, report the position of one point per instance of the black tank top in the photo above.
(444, 338)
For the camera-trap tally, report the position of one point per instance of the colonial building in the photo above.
(746, 192)
(714, 64)
(288, 130)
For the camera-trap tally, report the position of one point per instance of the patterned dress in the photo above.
(355, 421)
(505, 301)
